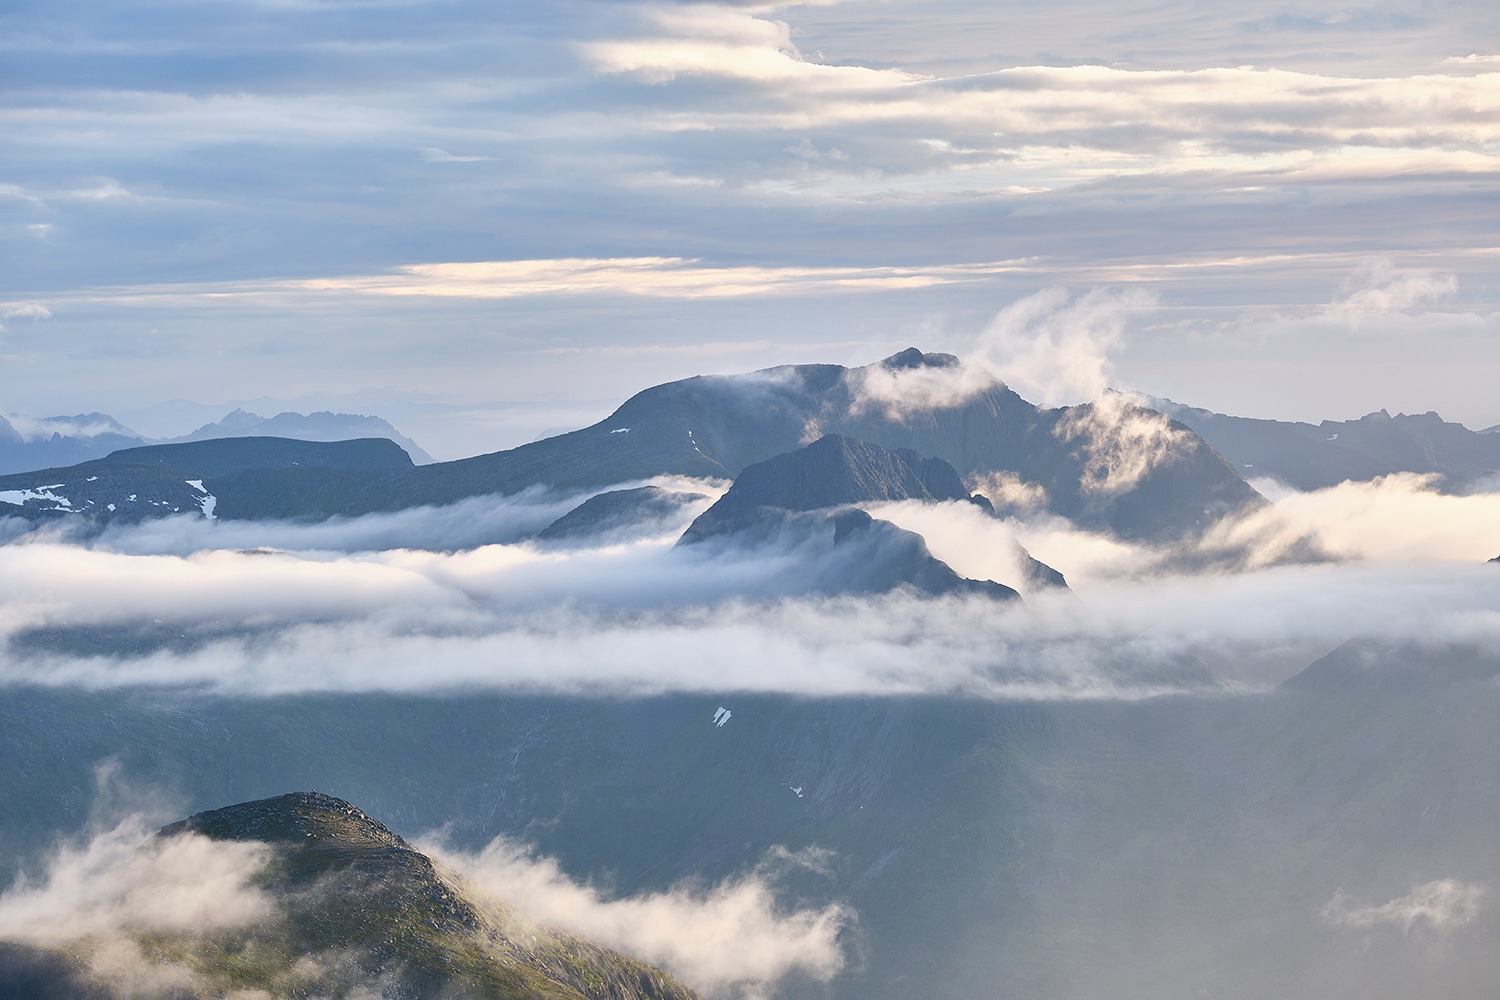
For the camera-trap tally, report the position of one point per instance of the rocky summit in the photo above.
(356, 911)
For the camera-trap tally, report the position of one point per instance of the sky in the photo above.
(487, 221)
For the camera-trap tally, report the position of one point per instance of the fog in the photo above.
(1242, 608)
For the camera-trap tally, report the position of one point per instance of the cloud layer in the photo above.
(169, 604)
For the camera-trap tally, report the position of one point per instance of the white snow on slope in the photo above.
(19, 497)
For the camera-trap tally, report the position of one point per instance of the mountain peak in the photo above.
(301, 818)
(913, 358)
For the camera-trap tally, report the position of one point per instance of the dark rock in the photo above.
(228, 456)
(646, 508)
(830, 472)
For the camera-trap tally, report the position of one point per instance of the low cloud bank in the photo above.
(732, 938)
(1253, 602)
(466, 524)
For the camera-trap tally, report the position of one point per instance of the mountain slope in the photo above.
(136, 484)
(1109, 466)
(807, 500)
(346, 908)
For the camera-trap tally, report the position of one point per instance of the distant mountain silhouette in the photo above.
(1310, 457)
(54, 442)
(320, 426)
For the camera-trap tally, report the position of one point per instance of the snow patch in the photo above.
(207, 504)
(196, 484)
(796, 790)
(722, 716)
(110, 506)
(20, 497)
(620, 430)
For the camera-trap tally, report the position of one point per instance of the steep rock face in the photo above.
(363, 909)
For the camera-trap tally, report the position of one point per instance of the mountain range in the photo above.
(1115, 467)
(1314, 456)
(55, 442)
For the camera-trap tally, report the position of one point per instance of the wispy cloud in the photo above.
(1439, 906)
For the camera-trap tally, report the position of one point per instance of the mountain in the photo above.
(53, 442)
(320, 426)
(1109, 466)
(833, 471)
(1309, 457)
(808, 500)
(136, 484)
(356, 911)
(621, 515)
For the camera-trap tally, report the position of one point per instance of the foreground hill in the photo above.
(1309, 457)
(355, 911)
(1110, 466)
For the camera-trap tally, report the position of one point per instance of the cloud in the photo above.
(432, 154)
(1054, 349)
(1396, 518)
(1126, 441)
(727, 939)
(1048, 346)
(24, 310)
(1063, 124)
(1398, 561)
(107, 898)
(125, 880)
(466, 524)
(1379, 288)
(1441, 905)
